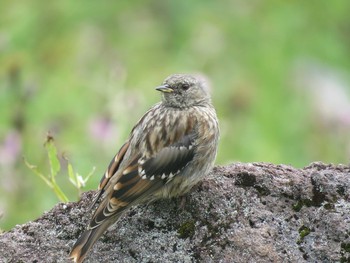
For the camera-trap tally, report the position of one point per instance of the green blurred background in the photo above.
(86, 72)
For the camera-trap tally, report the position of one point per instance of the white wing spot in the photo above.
(163, 176)
(144, 177)
(117, 186)
(152, 178)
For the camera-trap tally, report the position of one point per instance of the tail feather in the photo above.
(86, 241)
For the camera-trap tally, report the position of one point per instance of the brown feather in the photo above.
(112, 168)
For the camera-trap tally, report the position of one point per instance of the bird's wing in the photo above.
(149, 160)
(169, 160)
(111, 170)
(142, 176)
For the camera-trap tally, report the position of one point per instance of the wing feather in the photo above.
(142, 177)
(148, 167)
(112, 168)
(171, 159)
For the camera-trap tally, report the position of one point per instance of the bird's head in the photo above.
(184, 90)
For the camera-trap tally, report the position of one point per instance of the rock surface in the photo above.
(255, 212)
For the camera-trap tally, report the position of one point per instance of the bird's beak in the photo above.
(165, 89)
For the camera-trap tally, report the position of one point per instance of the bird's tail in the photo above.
(86, 241)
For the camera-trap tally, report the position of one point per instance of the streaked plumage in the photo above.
(169, 150)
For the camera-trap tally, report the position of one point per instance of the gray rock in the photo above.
(255, 212)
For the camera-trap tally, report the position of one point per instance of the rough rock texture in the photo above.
(243, 213)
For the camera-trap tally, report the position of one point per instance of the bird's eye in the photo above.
(185, 86)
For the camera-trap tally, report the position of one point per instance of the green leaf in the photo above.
(72, 176)
(89, 175)
(59, 193)
(77, 180)
(39, 174)
(55, 166)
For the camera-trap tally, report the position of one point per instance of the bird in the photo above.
(169, 150)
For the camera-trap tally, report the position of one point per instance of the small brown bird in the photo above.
(169, 150)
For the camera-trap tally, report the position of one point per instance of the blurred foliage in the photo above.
(55, 167)
(49, 179)
(86, 71)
